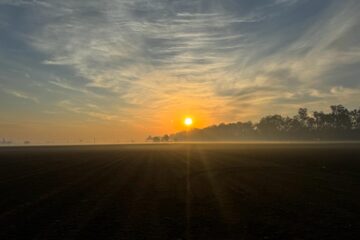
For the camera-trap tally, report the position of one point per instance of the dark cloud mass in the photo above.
(139, 57)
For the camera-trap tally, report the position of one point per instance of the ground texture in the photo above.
(181, 191)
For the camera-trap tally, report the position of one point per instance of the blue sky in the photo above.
(123, 68)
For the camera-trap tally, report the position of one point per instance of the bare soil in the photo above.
(181, 191)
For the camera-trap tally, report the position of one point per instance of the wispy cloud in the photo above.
(87, 110)
(21, 95)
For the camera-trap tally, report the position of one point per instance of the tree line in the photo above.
(339, 124)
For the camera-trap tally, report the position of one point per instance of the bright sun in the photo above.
(188, 121)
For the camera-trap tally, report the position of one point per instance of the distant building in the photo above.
(4, 141)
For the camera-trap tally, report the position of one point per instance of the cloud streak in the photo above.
(20, 95)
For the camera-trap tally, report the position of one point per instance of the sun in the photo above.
(188, 121)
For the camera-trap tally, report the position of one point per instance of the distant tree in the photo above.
(322, 121)
(156, 139)
(149, 138)
(303, 114)
(271, 126)
(355, 118)
(341, 118)
(244, 130)
(303, 117)
(165, 138)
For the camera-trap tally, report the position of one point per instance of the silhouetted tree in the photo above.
(341, 117)
(149, 139)
(272, 126)
(355, 118)
(165, 138)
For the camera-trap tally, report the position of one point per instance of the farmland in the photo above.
(181, 191)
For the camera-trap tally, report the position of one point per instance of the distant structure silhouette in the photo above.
(5, 142)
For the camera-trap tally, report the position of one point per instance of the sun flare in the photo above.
(188, 121)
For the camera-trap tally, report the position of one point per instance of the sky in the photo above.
(124, 69)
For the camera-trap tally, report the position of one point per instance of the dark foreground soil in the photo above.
(181, 191)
